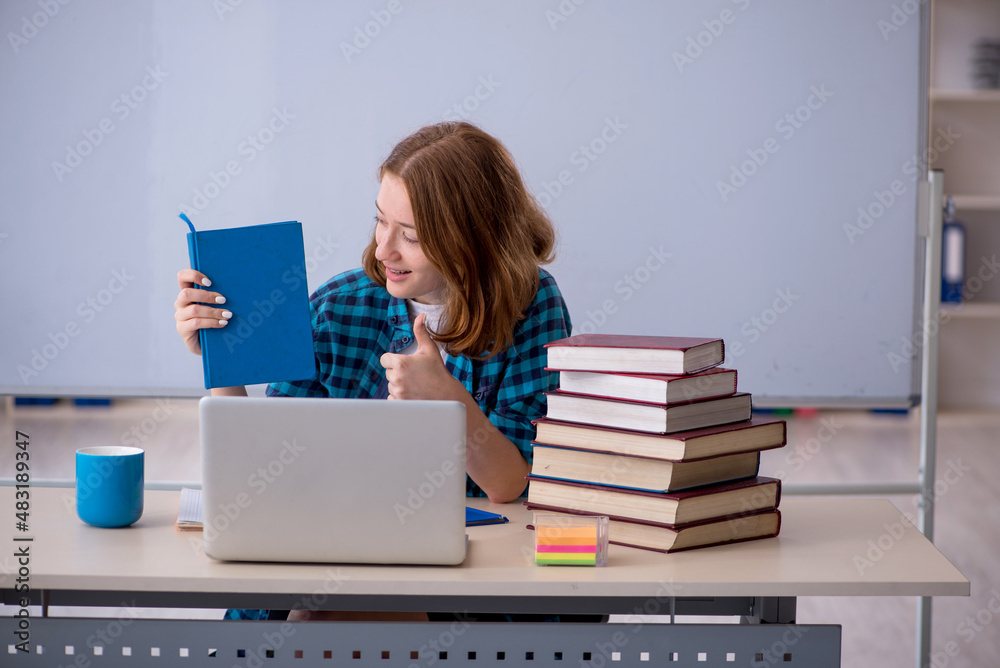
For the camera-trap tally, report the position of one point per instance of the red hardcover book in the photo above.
(702, 503)
(651, 388)
(749, 435)
(656, 418)
(676, 355)
(660, 537)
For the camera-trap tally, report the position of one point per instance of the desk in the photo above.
(827, 547)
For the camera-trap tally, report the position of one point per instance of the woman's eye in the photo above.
(379, 220)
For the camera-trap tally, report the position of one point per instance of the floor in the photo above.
(827, 446)
(878, 447)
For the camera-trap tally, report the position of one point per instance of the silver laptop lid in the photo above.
(333, 480)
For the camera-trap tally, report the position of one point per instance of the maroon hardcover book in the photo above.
(669, 538)
(648, 417)
(654, 388)
(633, 341)
(658, 475)
(681, 507)
(758, 433)
(635, 353)
(650, 457)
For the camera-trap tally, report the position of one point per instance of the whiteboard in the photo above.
(733, 168)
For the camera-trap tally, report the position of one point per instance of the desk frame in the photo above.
(416, 645)
(153, 565)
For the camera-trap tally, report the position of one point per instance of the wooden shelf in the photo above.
(977, 202)
(984, 310)
(965, 95)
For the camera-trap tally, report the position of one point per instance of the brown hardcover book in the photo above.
(713, 501)
(635, 354)
(750, 435)
(640, 472)
(655, 418)
(650, 387)
(661, 537)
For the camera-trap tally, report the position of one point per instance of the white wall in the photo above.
(640, 109)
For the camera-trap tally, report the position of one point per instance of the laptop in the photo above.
(333, 480)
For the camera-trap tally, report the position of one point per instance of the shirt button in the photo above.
(394, 319)
(406, 339)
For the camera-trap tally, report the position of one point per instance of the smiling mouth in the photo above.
(396, 272)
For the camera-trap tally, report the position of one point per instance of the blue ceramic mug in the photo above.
(109, 484)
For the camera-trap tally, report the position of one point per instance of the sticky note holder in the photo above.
(565, 540)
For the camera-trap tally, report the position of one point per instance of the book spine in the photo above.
(192, 239)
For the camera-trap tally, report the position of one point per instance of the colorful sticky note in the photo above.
(570, 540)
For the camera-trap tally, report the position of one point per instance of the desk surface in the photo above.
(827, 547)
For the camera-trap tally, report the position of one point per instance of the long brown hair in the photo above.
(480, 228)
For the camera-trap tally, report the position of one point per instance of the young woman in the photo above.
(450, 301)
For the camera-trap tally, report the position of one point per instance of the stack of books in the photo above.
(651, 431)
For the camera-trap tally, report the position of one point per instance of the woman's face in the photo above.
(408, 272)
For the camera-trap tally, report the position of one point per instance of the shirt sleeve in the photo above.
(521, 395)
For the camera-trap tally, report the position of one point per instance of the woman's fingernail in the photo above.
(223, 322)
(206, 282)
(227, 314)
(220, 300)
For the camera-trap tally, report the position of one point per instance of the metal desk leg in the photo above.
(771, 610)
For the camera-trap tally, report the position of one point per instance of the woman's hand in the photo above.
(492, 460)
(423, 374)
(190, 311)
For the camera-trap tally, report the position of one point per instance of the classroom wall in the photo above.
(729, 168)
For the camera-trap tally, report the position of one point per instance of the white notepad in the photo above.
(189, 514)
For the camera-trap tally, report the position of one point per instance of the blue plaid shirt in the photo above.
(355, 321)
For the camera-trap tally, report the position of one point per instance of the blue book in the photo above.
(260, 269)
(476, 517)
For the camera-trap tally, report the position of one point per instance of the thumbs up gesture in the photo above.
(423, 374)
